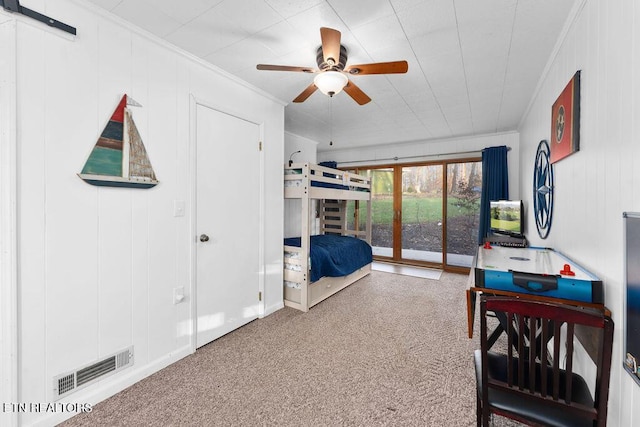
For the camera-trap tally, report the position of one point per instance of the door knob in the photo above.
(204, 238)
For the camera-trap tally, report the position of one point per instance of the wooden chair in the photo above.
(526, 382)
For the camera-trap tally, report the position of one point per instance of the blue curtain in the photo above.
(495, 184)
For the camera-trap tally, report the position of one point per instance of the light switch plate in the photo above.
(178, 208)
(178, 295)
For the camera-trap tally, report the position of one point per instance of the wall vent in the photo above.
(72, 381)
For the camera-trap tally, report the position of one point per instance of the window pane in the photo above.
(464, 186)
(422, 213)
(381, 210)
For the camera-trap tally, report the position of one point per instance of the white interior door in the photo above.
(227, 223)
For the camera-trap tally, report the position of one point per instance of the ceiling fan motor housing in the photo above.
(338, 64)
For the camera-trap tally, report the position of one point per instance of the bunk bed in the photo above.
(332, 251)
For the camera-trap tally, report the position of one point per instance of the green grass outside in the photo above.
(416, 209)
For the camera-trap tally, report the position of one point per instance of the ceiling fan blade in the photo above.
(306, 93)
(330, 45)
(396, 67)
(356, 93)
(285, 68)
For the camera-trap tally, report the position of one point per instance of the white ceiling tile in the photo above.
(310, 21)
(289, 8)
(478, 44)
(427, 17)
(444, 71)
(531, 13)
(436, 43)
(240, 55)
(473, 65)
(485, 120)
(358, 12)
(209, 32)
(439, 128)
(251, 15)
(282, 39)
(477, 12)
(381, 34)
(421, 100)
(400, 5)
(184, 10)
(148, 18)
(400, 51)
(487, 75)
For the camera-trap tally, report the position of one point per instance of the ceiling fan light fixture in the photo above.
(330, 82)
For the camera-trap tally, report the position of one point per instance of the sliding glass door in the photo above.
(426, 214)
(421, 213)
(464, 185)
(382, 210)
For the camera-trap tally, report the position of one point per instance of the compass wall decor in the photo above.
(543, 189)
(565, 121)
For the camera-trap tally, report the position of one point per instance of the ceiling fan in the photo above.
(332, 71)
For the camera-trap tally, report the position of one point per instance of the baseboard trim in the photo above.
(272, 309)
(111, 386)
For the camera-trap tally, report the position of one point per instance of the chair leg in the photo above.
(485, 417)
(478, 410)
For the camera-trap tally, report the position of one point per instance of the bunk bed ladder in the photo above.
(333, 217)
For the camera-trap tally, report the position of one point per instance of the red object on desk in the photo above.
(566, 271)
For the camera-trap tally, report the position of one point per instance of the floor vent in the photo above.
(72, 381)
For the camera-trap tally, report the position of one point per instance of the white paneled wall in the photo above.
(292, 208)
(293, 143)
(8, 242)
(594, 186)
(97, 265)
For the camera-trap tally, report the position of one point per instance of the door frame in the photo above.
(396, 258)
(194, 102)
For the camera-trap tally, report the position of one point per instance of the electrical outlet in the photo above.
(178, 295)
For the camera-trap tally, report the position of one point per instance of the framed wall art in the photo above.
(631, 221)
(119, 158)
(565, 121)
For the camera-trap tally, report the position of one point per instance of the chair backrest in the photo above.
(533, 371)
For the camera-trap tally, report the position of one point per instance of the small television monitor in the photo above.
(507, 217)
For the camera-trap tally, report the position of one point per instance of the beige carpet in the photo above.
(388, 350)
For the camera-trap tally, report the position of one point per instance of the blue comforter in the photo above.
(335, 256)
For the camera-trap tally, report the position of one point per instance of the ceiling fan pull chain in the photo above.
(331, 120)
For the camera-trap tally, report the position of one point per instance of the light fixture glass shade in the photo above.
(330, 82)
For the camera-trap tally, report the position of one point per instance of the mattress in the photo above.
(335, 256)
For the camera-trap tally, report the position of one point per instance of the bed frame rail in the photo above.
(298, 177)
(334, 218)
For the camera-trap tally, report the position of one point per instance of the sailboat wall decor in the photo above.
(119, 158)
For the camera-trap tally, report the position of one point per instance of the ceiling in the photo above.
(473, 64)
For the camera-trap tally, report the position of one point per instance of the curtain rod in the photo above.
(416, 157)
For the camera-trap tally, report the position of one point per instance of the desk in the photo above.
(541, 274)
